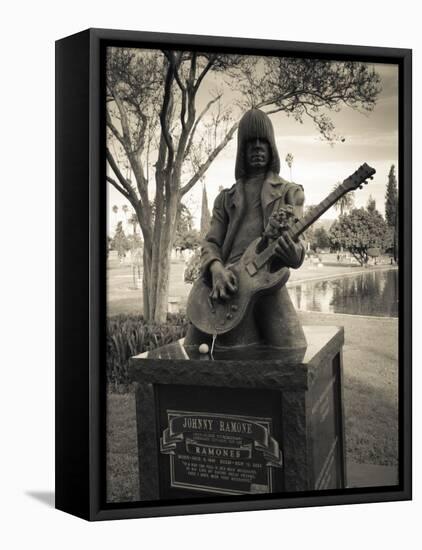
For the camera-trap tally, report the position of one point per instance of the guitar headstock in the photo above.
(358, 178)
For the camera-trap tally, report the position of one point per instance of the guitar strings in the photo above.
(214, 338)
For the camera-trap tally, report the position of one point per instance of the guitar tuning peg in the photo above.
(360, 186)
(371, 177)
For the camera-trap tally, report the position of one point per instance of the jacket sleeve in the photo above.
(296, 197)
(214, 239)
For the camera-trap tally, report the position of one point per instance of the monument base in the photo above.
(243, 422)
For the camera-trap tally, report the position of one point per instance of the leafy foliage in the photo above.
(372, 204)
(311, 88)
(391, 198)
(186, 238)
(320, 239)
(188, 241)
(193, 268)
(135, 241)
(346, 202)
(129, 335)
(359, 231)
(120, 242)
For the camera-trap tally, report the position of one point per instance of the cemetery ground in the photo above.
(370, 381)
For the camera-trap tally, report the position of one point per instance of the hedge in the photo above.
(129, 335)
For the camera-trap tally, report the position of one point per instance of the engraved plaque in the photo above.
(220, 453)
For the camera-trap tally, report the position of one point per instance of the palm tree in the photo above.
(346, 202)
(289, 160)
(133, 220)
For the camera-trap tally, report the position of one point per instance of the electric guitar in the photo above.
(258, 271)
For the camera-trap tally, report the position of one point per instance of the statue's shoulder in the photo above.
(276, 179)
(225, 193)
(232, 189)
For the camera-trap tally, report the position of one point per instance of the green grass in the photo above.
(122, 460)
(370, 400)
(123, 298)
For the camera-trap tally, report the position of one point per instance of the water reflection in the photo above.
(372, 293)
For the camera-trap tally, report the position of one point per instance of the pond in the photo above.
(373, 293)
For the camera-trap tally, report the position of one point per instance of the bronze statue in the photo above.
(240, 215)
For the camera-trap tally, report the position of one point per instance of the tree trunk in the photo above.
(168, 231)
(146, 283)
(157, 261)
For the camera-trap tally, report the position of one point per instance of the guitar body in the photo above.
(220, 317)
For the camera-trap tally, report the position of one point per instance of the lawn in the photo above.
(370, 399)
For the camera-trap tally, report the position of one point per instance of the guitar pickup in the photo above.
(251, 268)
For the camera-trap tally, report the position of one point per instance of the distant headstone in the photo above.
(174, 304)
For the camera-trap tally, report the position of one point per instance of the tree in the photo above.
(320, 239)
(346, 202)
(396, 238)
(359, 231)
(189, 240)
(133, 220)
(205, 214)
(308, 235)
(391, 198)
(289, 161)
(184, 221)
(120, 242)
(168, 138)
(371, 205)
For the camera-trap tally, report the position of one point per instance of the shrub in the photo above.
(129, 335)
(193, 267)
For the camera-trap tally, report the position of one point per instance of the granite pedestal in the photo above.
(243, 422)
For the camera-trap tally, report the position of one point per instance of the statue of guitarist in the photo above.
(240, 216)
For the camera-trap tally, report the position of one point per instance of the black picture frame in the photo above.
(80, 275)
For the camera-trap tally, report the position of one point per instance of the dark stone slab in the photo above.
(242, 422)
(371, 475)
(243, 367)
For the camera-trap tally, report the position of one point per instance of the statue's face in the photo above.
(257, 154)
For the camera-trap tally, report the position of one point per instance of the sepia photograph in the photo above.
(252, 274)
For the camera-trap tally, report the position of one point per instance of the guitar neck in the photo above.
(316, 212)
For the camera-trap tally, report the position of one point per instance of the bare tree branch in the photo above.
(114, 130)
(165, 112)
(175, 64)
(207, 68)
(118, 187)
(122, 180)
(198, 120)
(123, 121)
(204, 167)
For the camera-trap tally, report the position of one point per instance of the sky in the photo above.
(371, 137)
